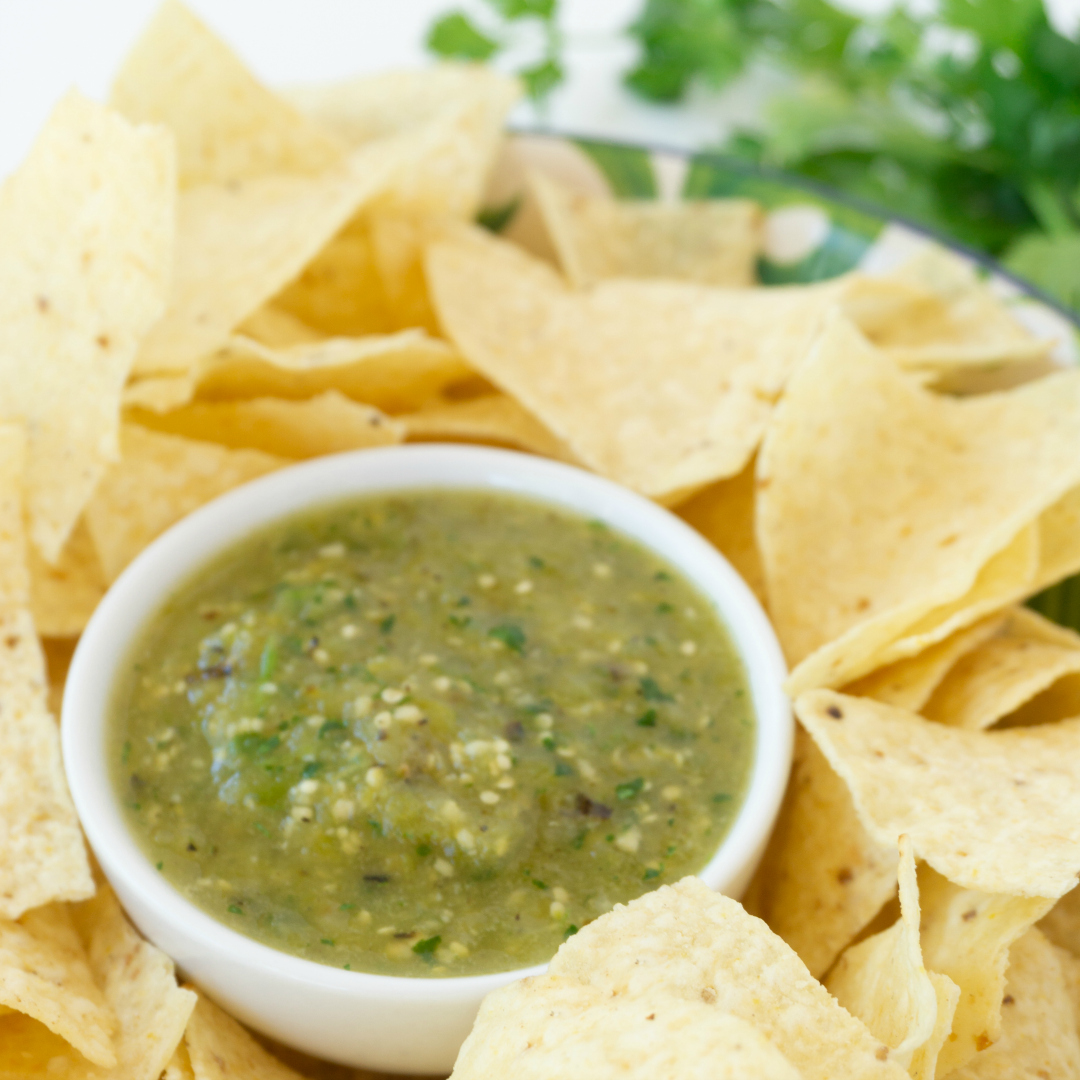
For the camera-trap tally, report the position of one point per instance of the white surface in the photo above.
(377, 1021)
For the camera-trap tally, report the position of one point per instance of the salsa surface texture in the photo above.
(431, 733)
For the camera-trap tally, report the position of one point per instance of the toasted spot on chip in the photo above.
(86, 232)
(227, 126)
(44, 973)
(661, 385)
(220, 1049)
(713, 242)
(867, 474)
(327, 424)
(1038, 1029)
(883, 981)
(823, 877)
(159, 479)
(997, 811)
(684, 938)
(554, 1028)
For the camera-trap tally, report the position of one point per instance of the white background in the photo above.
(47, 46)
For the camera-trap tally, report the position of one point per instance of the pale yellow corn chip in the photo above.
(881, 505)
(493, 418)
(179, 1067)
(159, 480)
(42, 857)
(227, 126)
(966, 935)
(44, 973)
(1062, 924)
(327, 424)
(715, 242)
(271, 325)
(448, 119)
(86, 232)
(1026, 656)
(160, 393)
(220, 1049)
(397, 372)
(823, 877)
(1070, 968)
(908, 684)
(724, 514)
(598, 367)
(997, 810)
(30, 1051)
(1059, 541)
(701, 946)
(63, 597)
(139, 984)
(552, 1028)
(1038, 1026)
(884, 982)
(239, 244)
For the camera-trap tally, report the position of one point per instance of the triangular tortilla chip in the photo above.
(63, 597)
(705, 947)
(227, 126)
(966, 935)
(86, 232)
(713, 242)
(884, 982)
(662, 386)
(552, 1028)
(1062, 924)
(159, 480)
(220, 1049)
(882, 503)
(823, 877)
(42, 857)
(997, 811)
(45, 973)
(1027, 655)
(327, 424)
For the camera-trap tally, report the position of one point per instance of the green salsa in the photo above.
(431, 733)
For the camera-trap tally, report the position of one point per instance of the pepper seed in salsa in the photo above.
(431, 733)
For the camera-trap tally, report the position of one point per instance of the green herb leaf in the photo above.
(455, 37)
(331, 727)
(427, 946)
(387, 624)
(511, 635)
(563, 769)
(650, 690)
(496, 218)
(570, 931)
(542, 78)
(630, 788)
(310, 769)
(647, 718)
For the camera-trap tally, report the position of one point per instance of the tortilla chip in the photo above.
(44, 973)
(966, 935)
(997, 810)
(1026, 656)
(139, 984)
(273, 326)
(714, 242)
(881, 504)
(30, 1051)
(159, 480)
(908, 684)
(42, 857)
(159, 393)
(179, 1067)
(58, 655)
(1059, 541)
(1038, 1028)
(964, 324)
(327, 424)
(701, 946)
(724, 514)
(493, 418)
(227, 125)
(823, 877)
(883, 981)
(220, 1049)
(450, 117)
(1062, 924)
(396, 373)
(1070, 968)
(63, 597)
(552, 1028)
(340, 291)
(599, 368)
(86, 230)
(238, 244)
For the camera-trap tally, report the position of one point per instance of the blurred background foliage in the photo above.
(963, 115)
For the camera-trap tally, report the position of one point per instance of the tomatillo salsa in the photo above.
(431, 733)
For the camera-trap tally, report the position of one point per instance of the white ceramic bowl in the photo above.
(382, 1022)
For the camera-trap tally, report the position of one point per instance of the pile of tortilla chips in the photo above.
(204, 281)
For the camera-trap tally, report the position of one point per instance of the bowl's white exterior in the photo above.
(376, 1021)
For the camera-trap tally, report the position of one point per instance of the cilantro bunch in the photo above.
(965, 118)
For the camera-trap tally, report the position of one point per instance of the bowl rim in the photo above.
(195, 540)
